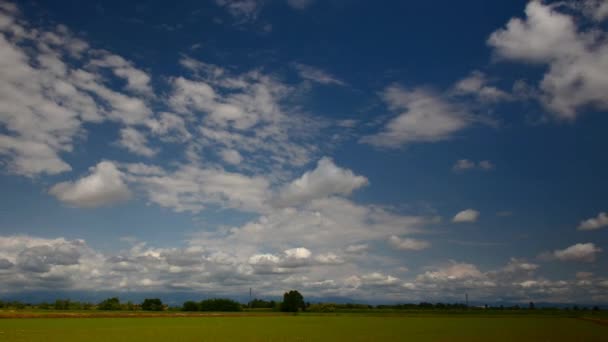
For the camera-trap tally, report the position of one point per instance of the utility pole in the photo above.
(466, 299)
(250, 297)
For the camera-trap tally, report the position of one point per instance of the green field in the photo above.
(347, 327)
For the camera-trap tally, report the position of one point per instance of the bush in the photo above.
(322, 307)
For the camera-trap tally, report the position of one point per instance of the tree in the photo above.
(109, 304)
(152, 304)
(261, 304)
(190, 306)
(531, 306)
(293, 301)
(219, 304)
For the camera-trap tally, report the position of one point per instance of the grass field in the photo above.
(347, 327)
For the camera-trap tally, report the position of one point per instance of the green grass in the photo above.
(305, 328)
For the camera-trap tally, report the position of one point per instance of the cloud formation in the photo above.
(462, 165)
(585, 252)
(577, 58)
(104, 185)
(468, 215)
(594, 223)
(423, 116)
(325, 180)
(317, 75)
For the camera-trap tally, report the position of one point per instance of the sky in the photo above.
(393, 152)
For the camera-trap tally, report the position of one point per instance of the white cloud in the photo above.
(423, 117)
(595, 222)
(585, 252)
(328, 224)
(314, 74)
(229, 106)
(45, 99)
(454, 271)
(169, 127)
(137, 80)
(577, 76)
(325, 180)
(136, 142)
(360, 248)
(468, 215)
(191, 188)
(31, 263)
(462, 165)
(407, 244)
(242, 10)
(518, 265)
(104, 185)
(231, 156)
(477, 84)
(486, 165)
(596, 9)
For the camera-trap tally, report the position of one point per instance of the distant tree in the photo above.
(152, 304)
(531, 306)
(261, 304)
(87, 306)
(109, 304)
(129, 305)
(596, 308)
(190, 306)
(62, 304)
(293, 301)
(219, 304)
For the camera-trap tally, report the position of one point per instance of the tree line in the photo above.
(293, 301)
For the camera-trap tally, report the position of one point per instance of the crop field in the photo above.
(305, 327)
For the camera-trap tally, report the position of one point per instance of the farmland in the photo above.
(78, 326)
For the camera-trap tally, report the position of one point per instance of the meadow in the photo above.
(302, 327)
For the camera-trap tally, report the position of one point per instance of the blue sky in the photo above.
(401, 152)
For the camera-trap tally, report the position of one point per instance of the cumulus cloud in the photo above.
(596, 9)
(137, 80)
(325, 180)
(468, 215)
(31, 263)
(230, 105)
(289, 260)
(462, 165)
(38, 263)
(407, 244)
(231, 156)
(326, 224)
(595, 222)
(453, 271)
(577, 60)
(169, 127)
(423, 116)
(585, 252)
(317, 75)
(50, 90)
(136, 142)
(104, 185)
(476, 84)
(191, 188)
